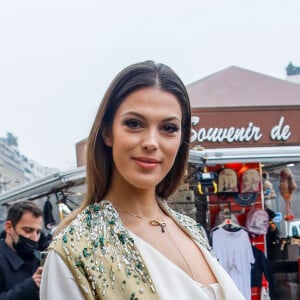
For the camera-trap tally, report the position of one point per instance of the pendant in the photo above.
(162, 224)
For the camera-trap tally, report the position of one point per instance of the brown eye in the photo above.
(170, 128)
(132, 123)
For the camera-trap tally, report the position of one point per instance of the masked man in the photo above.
(20, 273)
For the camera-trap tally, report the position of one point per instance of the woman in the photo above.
(124, 242)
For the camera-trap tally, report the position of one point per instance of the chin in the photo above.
(145, 184)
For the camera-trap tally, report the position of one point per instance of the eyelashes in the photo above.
(170, 128)
(135, 124)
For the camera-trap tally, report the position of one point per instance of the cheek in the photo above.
(13, 236)
(172, 147)
(170, 153)
(124, 143)
(119, 152)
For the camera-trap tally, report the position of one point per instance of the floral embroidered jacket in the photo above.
(103, 258)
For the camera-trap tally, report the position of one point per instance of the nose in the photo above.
(150, 142)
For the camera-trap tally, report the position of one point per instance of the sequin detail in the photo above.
(97, 239)
(195, 229)
(103, 257)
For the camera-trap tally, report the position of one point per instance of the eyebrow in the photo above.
(142, 117)
(30, 228)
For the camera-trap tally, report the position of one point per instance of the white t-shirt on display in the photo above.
(234, 251)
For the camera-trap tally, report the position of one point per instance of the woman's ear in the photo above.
(107, 137)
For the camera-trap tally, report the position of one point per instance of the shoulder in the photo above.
(102, 256)
(89, 227)
(93, 215)
(194, 228)
(2, 244)
(2, 256)
(189, 223)
(183, 219)
(5, 250)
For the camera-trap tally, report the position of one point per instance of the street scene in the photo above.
(150, 152)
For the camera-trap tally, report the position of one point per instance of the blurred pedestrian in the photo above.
(20, 273)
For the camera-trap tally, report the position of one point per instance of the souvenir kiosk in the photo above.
(245, 132)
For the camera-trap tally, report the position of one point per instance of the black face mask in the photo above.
(25, 247)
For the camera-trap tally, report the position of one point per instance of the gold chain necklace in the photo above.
(163, 226)
(153, 222)
(182, 256)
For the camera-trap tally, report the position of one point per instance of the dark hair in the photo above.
(99, 160)
(16, 211)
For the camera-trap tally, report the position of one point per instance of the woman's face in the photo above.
(145, 137)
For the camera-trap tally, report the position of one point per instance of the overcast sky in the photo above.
(58, 57)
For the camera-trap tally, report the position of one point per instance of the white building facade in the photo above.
(15, 168)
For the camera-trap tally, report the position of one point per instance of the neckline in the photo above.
(106, 204)
(168, 260)
(174, 215)
(235, 234)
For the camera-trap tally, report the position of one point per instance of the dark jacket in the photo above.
(16, 275)
(261, 266)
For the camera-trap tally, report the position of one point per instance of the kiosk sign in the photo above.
(241, 128)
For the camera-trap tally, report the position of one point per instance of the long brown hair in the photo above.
(99, 160)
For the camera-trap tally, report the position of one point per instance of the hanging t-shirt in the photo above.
(234, 251)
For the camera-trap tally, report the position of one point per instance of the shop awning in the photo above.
(47, 185)
(286, 154)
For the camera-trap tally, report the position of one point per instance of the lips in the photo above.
(146, 162)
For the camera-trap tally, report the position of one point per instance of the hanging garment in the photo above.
(260, 267)
(48, 217)
(234, 251)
